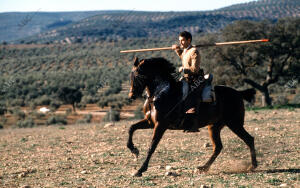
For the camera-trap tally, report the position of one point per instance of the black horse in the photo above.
(164, 109)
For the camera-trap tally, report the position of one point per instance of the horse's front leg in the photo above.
(143, 124)
(158, 132)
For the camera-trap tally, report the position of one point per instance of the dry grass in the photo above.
(94, 156)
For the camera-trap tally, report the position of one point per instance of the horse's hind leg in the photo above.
(240, 131)
(143, 124)
(214, 134)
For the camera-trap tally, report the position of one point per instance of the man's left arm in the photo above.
(195, 61)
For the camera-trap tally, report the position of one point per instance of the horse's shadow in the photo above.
(270, 171)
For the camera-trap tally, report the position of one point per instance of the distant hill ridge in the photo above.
(15, 25)
(263, 9)
(103, 25)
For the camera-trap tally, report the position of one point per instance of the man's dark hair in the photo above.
(187, 35)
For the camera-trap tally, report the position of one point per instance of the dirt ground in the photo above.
(96, 156)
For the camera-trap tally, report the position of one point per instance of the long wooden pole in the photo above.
(197, 46)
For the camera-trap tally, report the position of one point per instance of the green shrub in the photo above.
(17, 102)
(138, 113)
(32, 105)
(88, 99)
(280, 100)
(53, 120)
(68, 111)
(102, 103)
(296, 99)
(115, 101)
(38, 115)
(2, 110)
(112, 115)
(86, 119)
(26, 123)
(43, 100)
(81, 105)
(54, 105)
(17, 112)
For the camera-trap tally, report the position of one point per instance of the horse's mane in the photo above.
(158, 66)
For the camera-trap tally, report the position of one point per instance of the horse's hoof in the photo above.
(252, 168)
(202, 169)
(135, 153)
(137, 174)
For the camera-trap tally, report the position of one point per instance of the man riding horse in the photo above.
(166, 103)
(193, 77)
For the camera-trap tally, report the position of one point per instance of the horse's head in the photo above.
(137, 80)
(149, 73)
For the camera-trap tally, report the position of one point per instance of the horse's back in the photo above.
(228, 93)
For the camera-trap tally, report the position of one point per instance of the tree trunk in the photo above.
(262, 88)
(266, 94)
(74, 107)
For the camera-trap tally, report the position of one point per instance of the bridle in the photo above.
(138, 82)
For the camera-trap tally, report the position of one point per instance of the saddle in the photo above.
(207, 92)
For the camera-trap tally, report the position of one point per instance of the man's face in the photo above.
(183, 42)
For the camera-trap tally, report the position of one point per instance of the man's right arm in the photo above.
(177, 49)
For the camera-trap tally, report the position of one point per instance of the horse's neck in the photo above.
(154, 86)
(157, 86)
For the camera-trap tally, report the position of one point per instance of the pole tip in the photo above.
(265, 40)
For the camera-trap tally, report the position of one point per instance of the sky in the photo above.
(87, 5)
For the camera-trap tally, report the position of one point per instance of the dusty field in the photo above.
(94, 156)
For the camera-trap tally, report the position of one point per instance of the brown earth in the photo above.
(94, 156)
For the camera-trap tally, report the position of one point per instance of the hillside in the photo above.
(263, 9)
(133, 24)
(32, 74)
(111, 25)
(15, 25)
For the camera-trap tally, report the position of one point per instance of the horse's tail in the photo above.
(248, 94)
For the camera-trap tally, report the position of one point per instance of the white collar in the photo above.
(188, 47)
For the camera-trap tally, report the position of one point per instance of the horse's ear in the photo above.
(136, 61)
